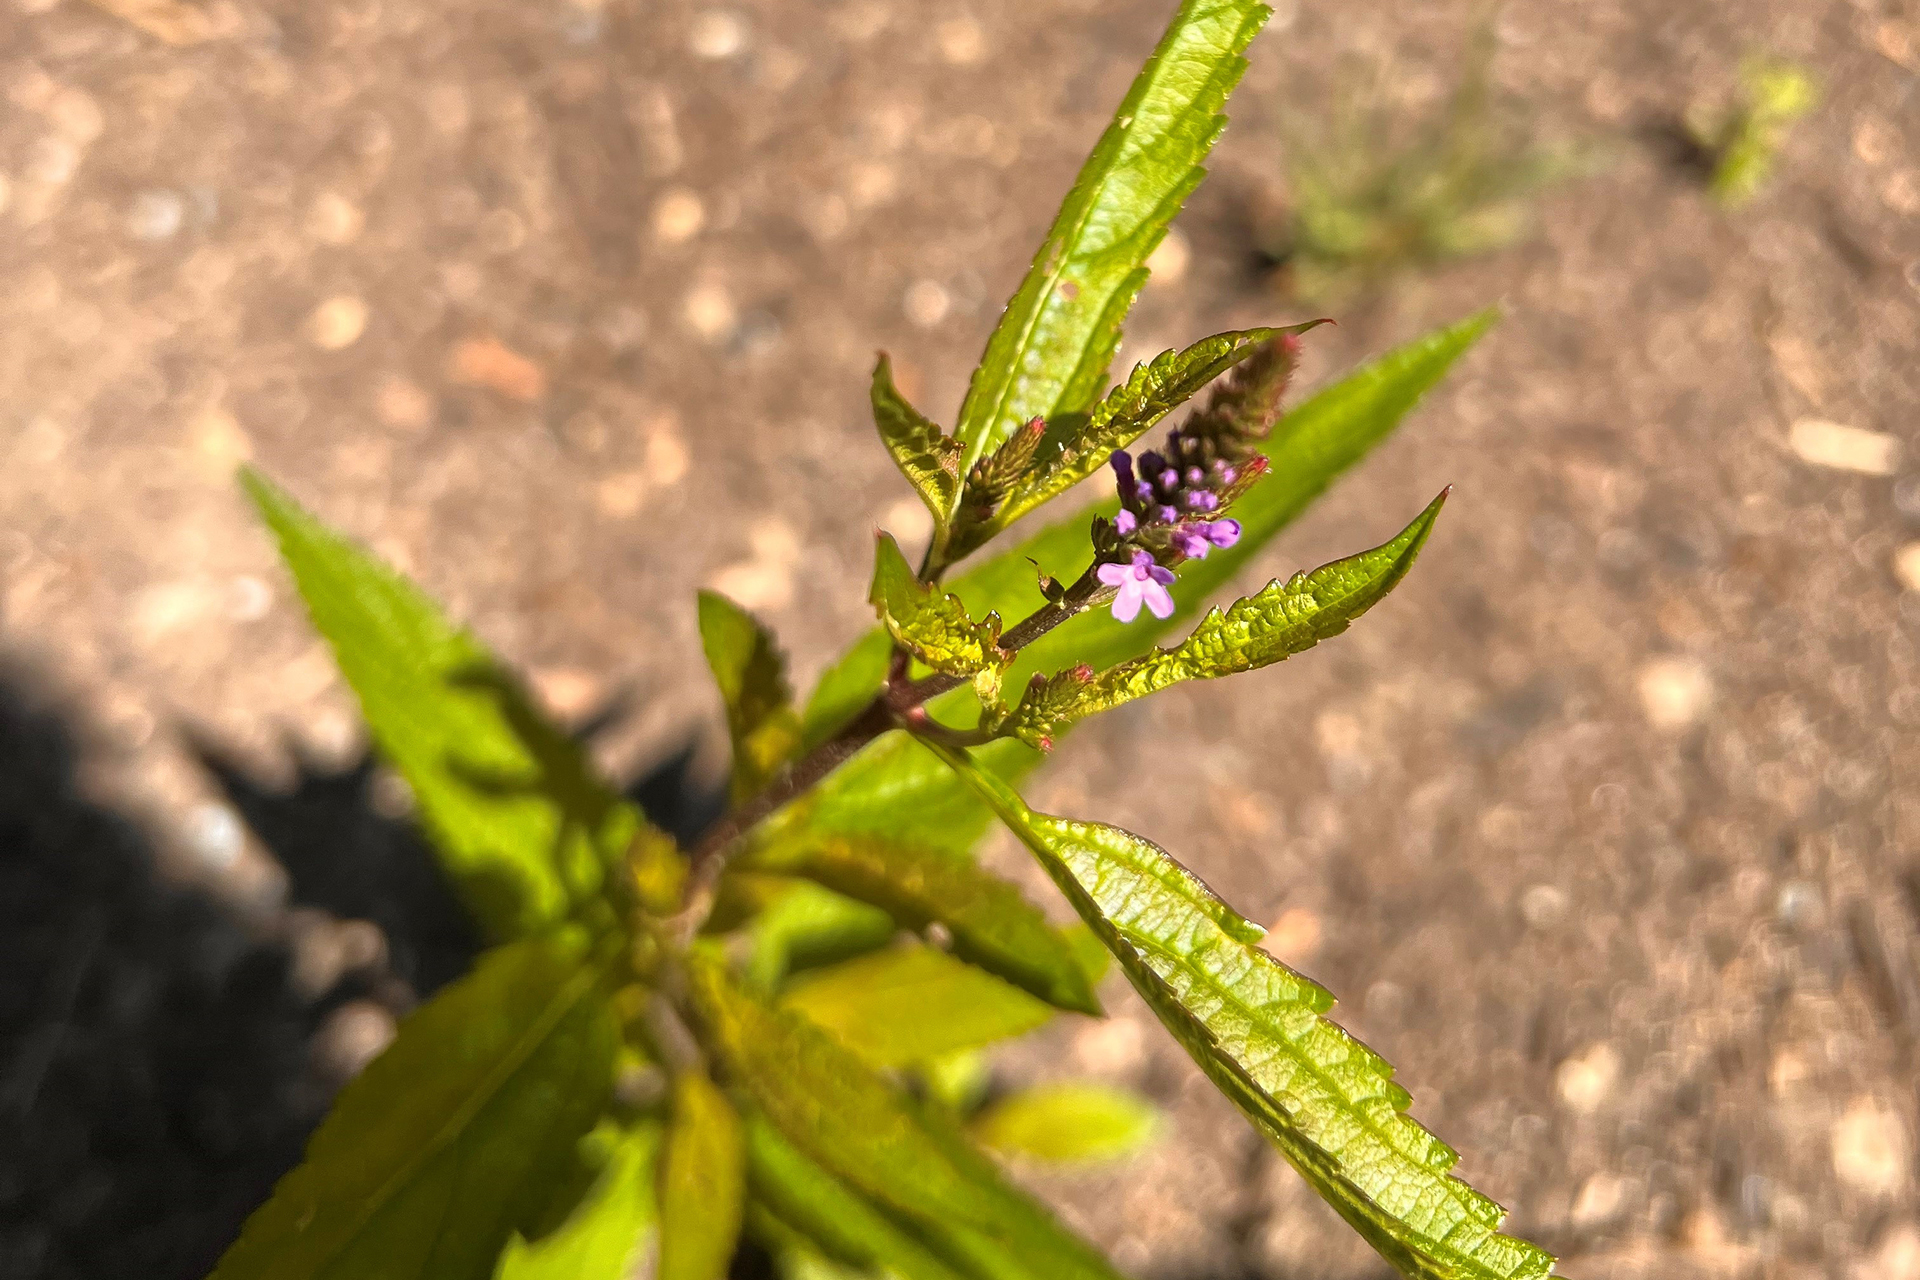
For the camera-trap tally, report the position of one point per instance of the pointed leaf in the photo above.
(912, 1004)
(600, 1239)
(752, 675)
(1131, 409)
(930, 624)
(1256, 1028)
(1069, 1122)
(522, 825)
(842, 1114)
(1287, 618)
(926, 455)
(702, 1182)
(451, 1140)
(794, 924)
(838, 1221)
(991, 923)
(1050, 352)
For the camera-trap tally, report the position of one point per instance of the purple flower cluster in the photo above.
(1175, 502)
(1141, 582)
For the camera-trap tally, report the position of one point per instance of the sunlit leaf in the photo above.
(926, 455)
(451, 1140)
(1070, 1122)
(1256, 1028)
(842, 1114)
(1050, 352)
(930, 624)
(991, 923)
(911, 1004)
(752, 676)
(702, 1182)
(524, 828)
(793, 924)
(1287, 618)
(600, 1239)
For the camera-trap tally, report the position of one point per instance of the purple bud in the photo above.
(1223, 533)
(1152, 464)
(1143, 491)
(1202, 501)
(1191, 543)
(1168, 480)
(1165, 515)
(1125, 523)
(1122, 465)
(1228, 475)
(1196, 476)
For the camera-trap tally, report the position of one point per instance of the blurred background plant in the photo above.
(1375, 190)
(1739, 142)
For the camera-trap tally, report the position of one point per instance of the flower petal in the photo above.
(1159, 601)
(1159, 575)
(1113, 574)
(1126, 605)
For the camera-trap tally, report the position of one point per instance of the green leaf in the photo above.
(1130, 410)
(991, 923)
(702, 1182)
(752, 675)
(930, 624)
(1072, 1122)
(837, 1220)
(1287, 618)
(523, 827)
(452, 1139)
(1256, 1028)
(846, 687)
(839, 1112)
(599, 1239)
(794, 924)
(1313, 444)
(911, 1004)
(926, 455)
(1050, 352)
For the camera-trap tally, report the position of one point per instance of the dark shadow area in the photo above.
(152, 1054)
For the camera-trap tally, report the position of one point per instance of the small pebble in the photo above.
(1585, 1080)
(1543, 906)
(961, 41)
(1600, 1199)
(667, 459)
(248, 598)
(337, 323)
(1798, 906)
(567, 692)
(1906, 566)
(351, 1037)
(490, 363)
(215, 834)
(1844, 448)
(403, 405)
(1869, 1149)
(678, 216)
(1169, 259)
(620, 494)
(717, 34)
(1674, 692)
(927, 303)
(156, 215)
(334, 219)
(709, 311)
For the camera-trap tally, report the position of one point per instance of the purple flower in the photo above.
(1142, 582)
(1196, 539)
(1223, 533)
(1125, 522)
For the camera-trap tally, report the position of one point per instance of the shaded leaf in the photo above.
(838, 1221)
(451, 1140)
(1256, 1028)
(600, 1237)
(793, 924)
(1155, 389)
(1070, 1122)
(1050, 352)
(846, 687)
(752, 675)
(926, 455)
(911, 1004)
(702, 1182)
(523, 827)
(857, 1126)
(991, 923)
(1287, 618)
(930, 624)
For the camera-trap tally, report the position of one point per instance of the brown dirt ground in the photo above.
(568, 308)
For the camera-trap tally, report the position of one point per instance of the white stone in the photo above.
(927, 303)
(678, 216)
(717, 34)
(1869, 1149)
(1585, 1080)
(1844, 448)
(1674, 692)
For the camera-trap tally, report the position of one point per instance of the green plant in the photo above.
(795, 1005)
(1374, 192)
(1741, 143)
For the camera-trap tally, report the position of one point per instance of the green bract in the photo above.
(797, 1010)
